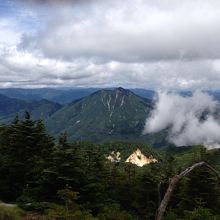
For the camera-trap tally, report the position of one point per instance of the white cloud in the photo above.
(8, 32)
(150, 44)
(31, 68)
(182, 116)
(134, 31)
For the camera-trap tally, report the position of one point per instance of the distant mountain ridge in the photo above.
(67, 95)
(41, 109)
(105, 115)
(61, 95)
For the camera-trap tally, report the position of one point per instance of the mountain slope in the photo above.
(52, 94)
(9, 107)
(104, 115)
(145, 93)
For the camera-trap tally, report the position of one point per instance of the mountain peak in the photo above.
(115, 92)
(123, 91)
(107, 114)
(120, 89)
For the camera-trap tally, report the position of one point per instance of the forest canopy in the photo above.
(63, 180)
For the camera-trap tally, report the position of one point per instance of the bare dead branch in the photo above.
(173, 183)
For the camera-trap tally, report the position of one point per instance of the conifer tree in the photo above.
(24, 149)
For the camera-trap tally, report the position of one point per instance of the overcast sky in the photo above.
(154, 44)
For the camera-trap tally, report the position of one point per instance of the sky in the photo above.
(151, 44)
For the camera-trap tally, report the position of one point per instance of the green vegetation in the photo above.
(105, 115)
(39, 109)
(115, 114)
(66, 180)
(11, 212)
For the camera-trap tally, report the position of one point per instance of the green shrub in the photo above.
(171, 216)
(28, 204)
(113, 212)
(59, 212)
(200, 213)
(10, 212)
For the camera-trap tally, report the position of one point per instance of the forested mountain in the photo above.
(116, 114)
(108, 114)
(9, 105)
(41, 109)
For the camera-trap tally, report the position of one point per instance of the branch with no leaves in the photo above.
(173, 183)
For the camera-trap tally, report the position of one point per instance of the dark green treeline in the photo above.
(75, 180)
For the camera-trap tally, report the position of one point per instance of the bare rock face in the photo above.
(114, 157)
(140, 159)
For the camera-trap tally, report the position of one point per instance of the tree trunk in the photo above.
(172, 186)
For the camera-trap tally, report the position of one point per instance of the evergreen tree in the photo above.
(24, 151)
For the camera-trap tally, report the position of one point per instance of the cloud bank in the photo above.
(134, 31)
(155, 44)
(189, 120)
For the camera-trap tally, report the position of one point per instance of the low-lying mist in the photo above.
(190, 120)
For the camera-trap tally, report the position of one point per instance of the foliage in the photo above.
(200, 213)
(113, 212)
(39, 109)
(24, 148)
(59, 212)
(66, 180)
(10, 212)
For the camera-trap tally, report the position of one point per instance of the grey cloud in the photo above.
(131, 31)
(51, 2)
(149, 44)
(25, 66)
